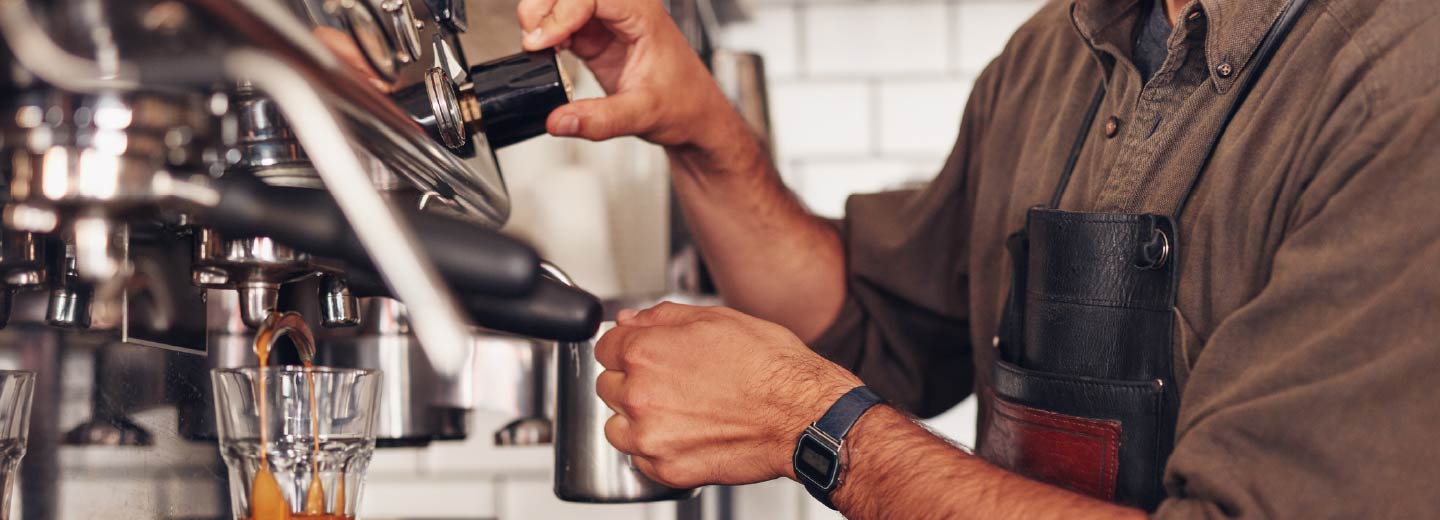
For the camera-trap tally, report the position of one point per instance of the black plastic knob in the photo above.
(516, 94)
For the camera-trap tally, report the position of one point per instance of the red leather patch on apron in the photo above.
(1079, 454)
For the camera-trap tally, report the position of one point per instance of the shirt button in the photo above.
(1112, 126)
(1224, 70)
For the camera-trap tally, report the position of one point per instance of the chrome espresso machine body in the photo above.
(176, 170)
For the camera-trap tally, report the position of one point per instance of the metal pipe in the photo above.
(397, 255)
(377, 123)
(42, 57)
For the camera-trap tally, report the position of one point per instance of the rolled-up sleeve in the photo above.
(903, 327)
(1317, 398)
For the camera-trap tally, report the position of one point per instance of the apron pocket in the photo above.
(1079, 454)
(1099, 437)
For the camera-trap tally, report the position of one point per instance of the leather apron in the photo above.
(1083, 391)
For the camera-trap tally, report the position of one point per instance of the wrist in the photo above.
(725, 149)
(807, 407)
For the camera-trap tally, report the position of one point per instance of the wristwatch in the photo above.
(817, 453)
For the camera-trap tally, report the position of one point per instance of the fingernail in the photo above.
(535, 34)
(569, 125)
(626, 314)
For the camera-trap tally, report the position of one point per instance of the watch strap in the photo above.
(846, 411)
(835, 424)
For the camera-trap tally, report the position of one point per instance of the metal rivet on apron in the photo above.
(1224, 70)
(1153, 253)
(1112, 126)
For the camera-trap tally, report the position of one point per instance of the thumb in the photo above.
(599, 119)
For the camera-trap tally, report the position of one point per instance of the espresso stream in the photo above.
(267, 502)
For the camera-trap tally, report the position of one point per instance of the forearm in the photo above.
(898, 469)
(769, 256)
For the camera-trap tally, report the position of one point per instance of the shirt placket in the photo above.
(1144, 121)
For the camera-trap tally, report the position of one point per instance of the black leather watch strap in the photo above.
(842, 415)
(832, 429)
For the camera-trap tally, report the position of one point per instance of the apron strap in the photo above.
(1273, 38)
(1266, 51)
(1079, 145)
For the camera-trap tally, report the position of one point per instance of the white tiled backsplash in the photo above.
(867, 95)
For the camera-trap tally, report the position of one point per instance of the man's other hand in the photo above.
(658, 87)
(708, 395)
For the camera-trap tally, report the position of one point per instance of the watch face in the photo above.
(816, 462)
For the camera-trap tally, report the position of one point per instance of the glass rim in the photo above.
(7, 373)
(296, 369)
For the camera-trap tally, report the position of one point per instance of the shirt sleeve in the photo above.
(903, 327)
(1316, 399)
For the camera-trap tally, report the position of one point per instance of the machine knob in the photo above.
(69, 305)
(509, 98)
(338, 307)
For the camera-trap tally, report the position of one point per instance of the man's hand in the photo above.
(658, 88)
(707, 395)
(750, 228)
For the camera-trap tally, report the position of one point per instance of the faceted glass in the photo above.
(16, 390)
(304, 434)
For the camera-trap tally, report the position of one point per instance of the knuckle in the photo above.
(634, 355)
(673, 474)
(648, 442)
(636, 401)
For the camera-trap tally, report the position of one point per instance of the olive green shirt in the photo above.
(1308, 315)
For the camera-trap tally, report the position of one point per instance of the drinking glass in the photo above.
(16, 389)
(311, 430)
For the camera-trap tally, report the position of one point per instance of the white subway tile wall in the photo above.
(858, 84)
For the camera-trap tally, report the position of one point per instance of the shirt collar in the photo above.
(1235, 29)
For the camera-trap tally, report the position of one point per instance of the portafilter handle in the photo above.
(510, 98)
(471, 259)
(551, 311)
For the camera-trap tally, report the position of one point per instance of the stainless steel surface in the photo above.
(445, 107)
(102, 150)
(338, 308)
(413, 410)
(70, 300)
(396, 253)
(377, 124)
(254, 266)
(526, 431)
(264, 142)
(587, 467)
(515, 376)
(22, 259)
(116, 118)
(475, 187)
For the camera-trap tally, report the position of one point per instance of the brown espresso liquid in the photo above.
(267, 502)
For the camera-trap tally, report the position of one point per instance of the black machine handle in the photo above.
(472, 259)
(552, 311)
(516, 94)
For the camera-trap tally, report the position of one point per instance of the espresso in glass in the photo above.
(296, 439)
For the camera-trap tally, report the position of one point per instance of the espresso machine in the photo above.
(176, 170)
